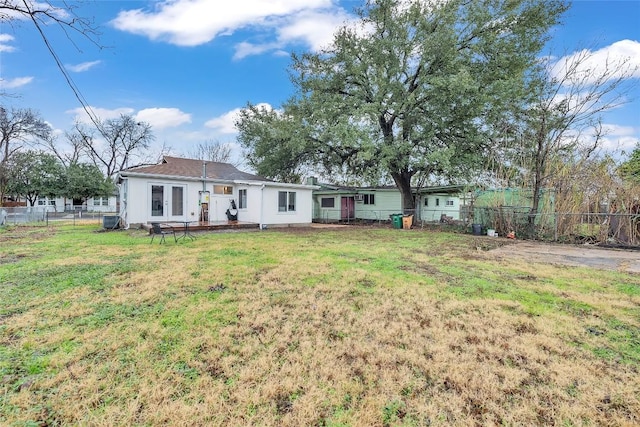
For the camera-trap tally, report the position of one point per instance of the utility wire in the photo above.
(74, 88)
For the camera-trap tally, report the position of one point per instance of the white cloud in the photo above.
(47, 8)
(619, 138)
(315, 28)
(85, 66)
(102, 113)
(160, 118)
(276, 23)
(4, 40)
(622, 56)
(226, 122)
(245, 49)
(14, 83)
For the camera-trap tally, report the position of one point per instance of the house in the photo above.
(65, 204)
(179, 189)
(449, 201)
(333, 203)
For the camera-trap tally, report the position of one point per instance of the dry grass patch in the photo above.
(356, 327)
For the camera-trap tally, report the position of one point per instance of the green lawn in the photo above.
(333, 327)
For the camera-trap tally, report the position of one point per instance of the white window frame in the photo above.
(242, 198)
(290, 201)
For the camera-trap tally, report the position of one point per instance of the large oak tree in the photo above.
(408, 91)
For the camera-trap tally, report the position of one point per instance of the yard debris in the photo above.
(217, 288)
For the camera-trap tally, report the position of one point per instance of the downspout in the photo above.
(262, 224)
(204, 189)
(204, 176)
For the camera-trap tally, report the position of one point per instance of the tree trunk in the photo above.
(403, 182)
(540, 162)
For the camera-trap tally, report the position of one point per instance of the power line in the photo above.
(74, 88)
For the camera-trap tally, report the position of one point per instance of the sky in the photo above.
(187, 66)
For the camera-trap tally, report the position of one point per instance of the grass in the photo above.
(348, 327)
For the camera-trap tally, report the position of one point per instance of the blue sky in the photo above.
(187, 66)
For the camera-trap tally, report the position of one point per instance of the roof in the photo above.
(192, 168)
(329, 188)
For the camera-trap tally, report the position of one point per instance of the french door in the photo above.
(167, 202)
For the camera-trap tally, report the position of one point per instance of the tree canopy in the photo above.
(630, 169)
(408, 92)
(18, 127)
(34, 174)
(84, 180)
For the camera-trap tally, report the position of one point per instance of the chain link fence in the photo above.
(616, 229)
(36, 216)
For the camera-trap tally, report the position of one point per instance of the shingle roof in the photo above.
(192, 168)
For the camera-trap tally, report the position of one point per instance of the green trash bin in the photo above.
(397, 221)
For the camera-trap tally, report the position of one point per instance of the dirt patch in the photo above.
(580, 256)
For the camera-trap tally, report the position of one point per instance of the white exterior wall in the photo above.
(262, 203)
(60, 204)
(301, 216)
(433, 212)
(110, 207)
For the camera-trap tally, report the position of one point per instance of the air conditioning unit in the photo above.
(359, 197)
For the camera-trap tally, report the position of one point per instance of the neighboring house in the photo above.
(449, 200)
(334, 203)
(179, 189)
(340, 203)
(65, 204)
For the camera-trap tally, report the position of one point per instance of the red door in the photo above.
(348, 208)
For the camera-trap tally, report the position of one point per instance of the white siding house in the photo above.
(340, 203)
(66, 204)
(180, 189)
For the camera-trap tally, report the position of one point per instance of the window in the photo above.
(449, 202)
(369, 199)
(437, 202)
(100, 201)
(222, 189)
(177, 201)
(242, 199)
(328, 202)
(286, 201)
(426, 201)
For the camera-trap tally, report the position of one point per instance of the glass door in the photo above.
(167, 202)
(157, 202)
(177, 202)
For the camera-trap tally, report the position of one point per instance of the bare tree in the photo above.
(563, 121)
(214, 151)
(17, 128)
(41, 14)
(69, 156)
(120, 142)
